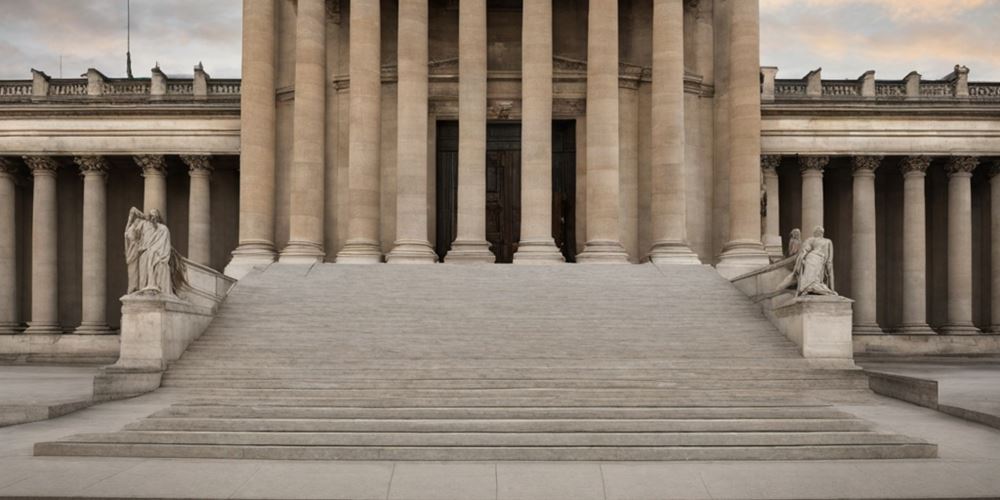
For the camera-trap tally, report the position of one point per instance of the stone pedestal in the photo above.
(821, 326)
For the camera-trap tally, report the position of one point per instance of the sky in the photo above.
(844, 37)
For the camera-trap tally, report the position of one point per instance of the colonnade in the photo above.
(863, 247)
(603, 240)
(45, 247)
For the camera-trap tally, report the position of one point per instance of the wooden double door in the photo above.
(503, 187)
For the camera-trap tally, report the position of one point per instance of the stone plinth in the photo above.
(821, 326)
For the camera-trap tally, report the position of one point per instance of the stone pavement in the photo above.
(968, 467)
(32, 392)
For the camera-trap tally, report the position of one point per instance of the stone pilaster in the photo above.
(412, 246)
(306, 217)
(812, 191)
(772, 221)
(257, 140)
(537, 245)
(603, 243)
(744, 251)
(995, 247)
(915, 247)
(199, 208)
(668, 204)
(154, 174)
(94, 318)
(863, 246)
(960, 246)
(470, 245)
(9, 323)
(44, 247)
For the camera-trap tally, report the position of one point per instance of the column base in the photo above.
(867, 329)
(411, 252)
(249, 256)
(538, 252)
(360, 252)
(93, 329)
(916, 329)
(39, 328)
(673, 252)
(470, 252)
(960, 329)
(302, 252)
(11, 328)
(740, 257)
(603, 252)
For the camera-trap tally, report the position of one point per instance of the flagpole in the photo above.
(128, 38)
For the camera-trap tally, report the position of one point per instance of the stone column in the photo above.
(412, 246)
(199, 208)
(668, 204)
(863, 248)
(772, 222)
(914, 247)
(8, 249)
(537, 245)
(154, 192)
(305, 216)
(257, 139)
(94, 320)
(603, 189)
(44, 248)
(744, 251)
(812, 191)
(470, 245)
(960, 246)
(995, 248)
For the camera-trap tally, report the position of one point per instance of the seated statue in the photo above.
(154, 267)
(814, 266)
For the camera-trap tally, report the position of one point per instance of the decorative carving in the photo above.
(500, 110)
(92, 164)
(154, 267)
(769, 163)
(7, 167)
(569, 107)
(794, 243)
(866, 163)
(198, 163)
(41, 164)
(151, 164)
(915, 164)
(813, 162)
(962, 165)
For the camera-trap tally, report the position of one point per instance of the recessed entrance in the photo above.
(503, 187)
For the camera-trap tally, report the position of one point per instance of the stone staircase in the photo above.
(497, 362)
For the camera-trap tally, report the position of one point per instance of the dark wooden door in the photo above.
(503, 189)
(446, 187)
(564, 187)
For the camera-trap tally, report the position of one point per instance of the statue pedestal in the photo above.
(820, 325)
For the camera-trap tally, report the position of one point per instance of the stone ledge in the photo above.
(921, 345)
(66, 348)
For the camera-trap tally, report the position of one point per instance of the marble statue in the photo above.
(794, 243)
(154, 267)
(814, 266)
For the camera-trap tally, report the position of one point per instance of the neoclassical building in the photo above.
(503, 131)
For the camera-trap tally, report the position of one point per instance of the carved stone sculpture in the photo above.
(794, 243)
(154, 267)
(814, 266)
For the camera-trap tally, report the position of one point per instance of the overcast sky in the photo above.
(845, 37)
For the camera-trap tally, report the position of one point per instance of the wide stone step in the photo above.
(496, 425)
(496, 363)
(507, 385)
(471, 453)
(554, 374)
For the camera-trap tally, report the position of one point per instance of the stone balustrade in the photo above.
(952, 87)
(95, 84)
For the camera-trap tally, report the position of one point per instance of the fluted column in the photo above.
(8, 249)
(603, 189)
(305, 239)
(744, 251)
(537, 245)
(44, 248)
(257, 139)
(772, 222)
(668, 205)
(863, 246)
(915, 247)
(995, 248)
(94, 318)
(470, 245)
(154, 174)
(199, 208)
(412, 246)
(960, 246)
(812, 191)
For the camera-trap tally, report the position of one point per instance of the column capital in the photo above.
(7, 167)
(866, 164)
(198, 164)
(95, 165)
(915, 165)
(41, 165)
(814, 163)
(151, 164)
(769, 163)
(962, 165)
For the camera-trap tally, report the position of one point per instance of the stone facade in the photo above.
(359, 131)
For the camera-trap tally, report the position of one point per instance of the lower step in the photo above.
(571, 453)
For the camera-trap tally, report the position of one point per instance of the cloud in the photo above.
(897, 9)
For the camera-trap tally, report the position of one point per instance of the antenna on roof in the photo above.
(128, 38)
